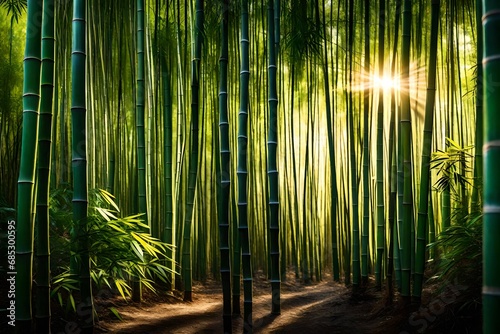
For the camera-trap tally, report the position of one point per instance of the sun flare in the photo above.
(376, 83)
(385, 82)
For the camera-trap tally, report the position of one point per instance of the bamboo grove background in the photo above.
(183, 127)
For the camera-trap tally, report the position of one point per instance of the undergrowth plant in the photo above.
(119, 251)
(460, 244)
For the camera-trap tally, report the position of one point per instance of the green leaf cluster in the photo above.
(452, 166)
(119, 250)
(15, 8)
(461, 243)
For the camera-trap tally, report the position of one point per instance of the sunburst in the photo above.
(387, 83)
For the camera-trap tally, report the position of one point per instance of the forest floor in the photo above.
(324, 307)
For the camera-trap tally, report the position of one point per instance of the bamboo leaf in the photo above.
(103, 213)
(72, 301)
(109, 199)
(137, 249)
(116, 313)
(116, 227)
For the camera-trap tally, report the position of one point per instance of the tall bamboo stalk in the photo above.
(225, 176)
(380, 151)
(43, 313)
(79, 159)
(26, 180)
(366, 156)
(393, 261)
(187, 261)
(491, 155)
(407, 210)
(272, 166)
(140, 107)
(356, 270)
(168, 235)
(478, 156)
(140, 102)
(423, 218)
(242, 171)
(331, 155)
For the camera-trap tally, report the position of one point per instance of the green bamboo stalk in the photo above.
(478, 156)
(42, 313)
(335, 104)
(396, 177)
(200, 247)
(236, 253)
(187, 261)
(450, 107)
(356, 270)
(141, 140)
(422, 223)
(393, 244)
(366, 156)
(491, 154)
(242, 171)
(140, 106)
(399, 191)
(294, 168)
(306, 272)
(110, 182)
(235, 233)
(407, 213)
(432, 229)
(26, 180)
(236, 268)
(393, 240)
(154, 176)
(79, 160)
(331, 155)
(225, 176)
(64, 178)
(181, 143)
(380, 152)
(446, 206)
(167, 139)
(272, 167)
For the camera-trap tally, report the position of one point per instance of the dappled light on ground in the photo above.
(326, 307)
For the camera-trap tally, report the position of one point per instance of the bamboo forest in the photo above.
(267, 166)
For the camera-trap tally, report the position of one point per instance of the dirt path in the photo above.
(325, 307)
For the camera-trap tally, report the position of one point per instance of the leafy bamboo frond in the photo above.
(14, 7)
(453, 166)
(463, 244)
(117, 249)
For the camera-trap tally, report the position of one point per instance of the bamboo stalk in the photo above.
(491, 155)
(407, 209)
(79, 161)
(43, 312)
(422, 223)
(366, 156)
(193, 162)
(242, 171)
(272, 168)
(225, 176)
(26, 180)
(380, 153)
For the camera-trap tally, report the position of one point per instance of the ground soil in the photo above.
(324, 307)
